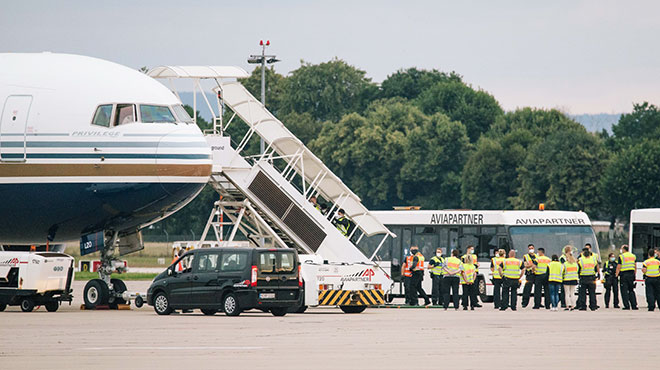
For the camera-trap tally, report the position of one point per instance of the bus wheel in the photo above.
(482, 291)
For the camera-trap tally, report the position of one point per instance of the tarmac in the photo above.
(326, 338)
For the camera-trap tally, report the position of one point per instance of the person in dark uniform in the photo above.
(611, 281)
(529, 263)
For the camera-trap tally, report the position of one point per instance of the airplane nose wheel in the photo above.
(95, 293)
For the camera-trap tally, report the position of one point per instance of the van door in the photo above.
(13, 124)
(277, 275)
(234, 269)
(205, 282)
(180, 282)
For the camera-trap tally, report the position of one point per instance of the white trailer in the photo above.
(34, 279)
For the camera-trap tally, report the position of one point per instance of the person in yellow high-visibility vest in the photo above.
(587, 270)
(436, 269)
(555, 278)
(468, 277)
(512, 270)
(651, 270)
(541, 280)
(625, 271)
(495, 262)
(451, 279)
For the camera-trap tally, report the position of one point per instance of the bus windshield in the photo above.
(552, 238)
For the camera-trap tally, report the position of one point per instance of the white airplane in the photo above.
(92, 151)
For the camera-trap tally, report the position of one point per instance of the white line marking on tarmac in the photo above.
(172, 348)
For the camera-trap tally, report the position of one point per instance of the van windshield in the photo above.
(276, 262)
(552, 238)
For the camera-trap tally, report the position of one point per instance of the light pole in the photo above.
(263, 59)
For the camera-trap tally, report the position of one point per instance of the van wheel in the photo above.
(119, 287)
(209, 311)
(27, 305)
(353, 309)
(278, 311)
(162, 304)
(230, 305)
(52, 306)
(95, 293)
(3, 306)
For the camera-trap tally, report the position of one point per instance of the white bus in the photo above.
(644, 234)
(487, 231)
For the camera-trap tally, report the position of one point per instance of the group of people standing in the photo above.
(556, 278)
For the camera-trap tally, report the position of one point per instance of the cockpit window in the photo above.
(124, 114)
(181, 114)
(102, 115)
(156, 113)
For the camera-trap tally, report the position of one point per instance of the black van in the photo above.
(230, 280)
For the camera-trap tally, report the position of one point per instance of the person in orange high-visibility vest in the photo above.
(651, 270)
(417, 267)
(406, 272)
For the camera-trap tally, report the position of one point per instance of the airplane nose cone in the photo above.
(183, 160)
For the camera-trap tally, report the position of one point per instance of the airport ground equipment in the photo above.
(35, 279)
(266, 196)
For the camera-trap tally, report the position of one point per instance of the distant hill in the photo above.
(597, 122)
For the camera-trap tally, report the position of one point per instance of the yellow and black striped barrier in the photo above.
(371, 297)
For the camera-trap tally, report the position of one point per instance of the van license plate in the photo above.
(267, 295)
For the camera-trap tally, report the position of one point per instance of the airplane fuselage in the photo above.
(87, 145)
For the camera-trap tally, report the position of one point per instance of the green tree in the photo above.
(632, 179)
(490, 177)
(274, 87)
(434, 153)
(409, 83)
(476, 109)
(328, 90)
(395, 154)
(563, 171)
(642, 123)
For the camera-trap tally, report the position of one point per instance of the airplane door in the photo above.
(13, 123)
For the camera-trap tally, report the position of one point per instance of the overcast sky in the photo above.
(579, 56)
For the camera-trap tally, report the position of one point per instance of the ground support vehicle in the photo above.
(35, 279)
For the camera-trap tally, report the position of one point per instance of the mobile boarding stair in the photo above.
(266, 197)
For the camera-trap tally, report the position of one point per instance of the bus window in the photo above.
(368, 246)
(645, 237)
(487, 243)
(443, 232)
(426, 239)
(468, 237)
(406, 241)
(504, 244)
(552, 238)
(453, 239)
(397, 253)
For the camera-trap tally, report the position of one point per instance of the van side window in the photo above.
(102, 115)
(124, 114)
(267, 261)
(233, 261)
(207, 262)
(185, 264)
